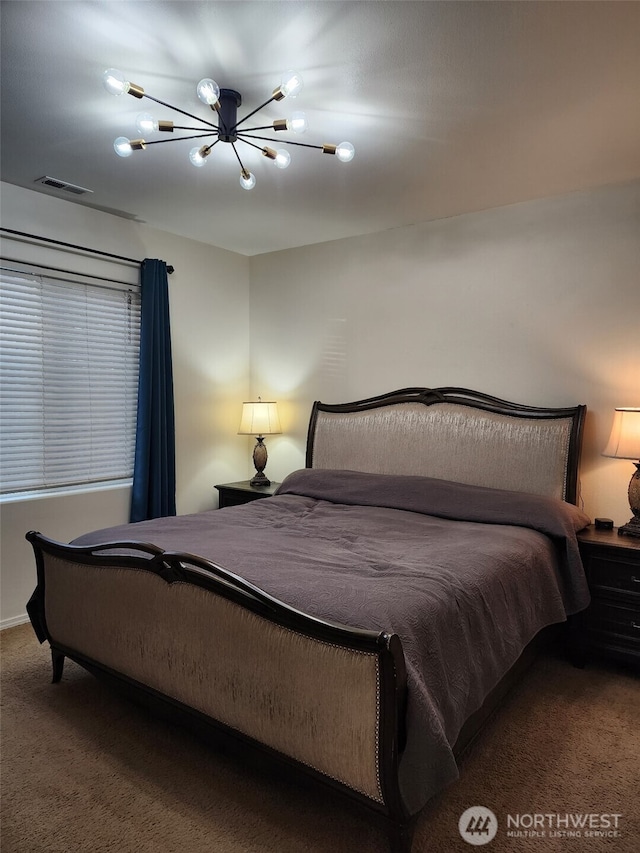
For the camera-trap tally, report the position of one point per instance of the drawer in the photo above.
(609, 573)
(606, 618)
(237, 499)
(617, 646)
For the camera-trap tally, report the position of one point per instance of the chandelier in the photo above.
(227, 128)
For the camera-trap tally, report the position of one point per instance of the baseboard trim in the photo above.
(13, 621)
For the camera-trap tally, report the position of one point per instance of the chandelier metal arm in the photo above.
(253, 145)
(253, 112)
(251, 129)
(233, 145)
(241, 137)
(178, 110)
(182, 138)
(183, 127)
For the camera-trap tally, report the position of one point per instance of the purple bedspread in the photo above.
(465, 575)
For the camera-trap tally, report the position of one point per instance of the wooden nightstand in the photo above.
(611, 623)
(234, 494)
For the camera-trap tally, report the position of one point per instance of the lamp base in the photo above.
(631, 528)
(260, 480)
(260, 461)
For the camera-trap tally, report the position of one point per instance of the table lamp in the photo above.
(259, 419)
(624, 443)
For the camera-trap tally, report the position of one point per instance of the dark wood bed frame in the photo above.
(203, 574)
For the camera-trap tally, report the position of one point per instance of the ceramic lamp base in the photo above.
(260, 462)
(632, 528)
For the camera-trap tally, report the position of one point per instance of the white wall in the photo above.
(536, 302)
(209, 295)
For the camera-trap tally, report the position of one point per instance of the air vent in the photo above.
(65, 186)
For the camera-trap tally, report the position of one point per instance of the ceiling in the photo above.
(452, 107)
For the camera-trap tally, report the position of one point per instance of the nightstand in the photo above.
(234, 494)
(611, 624)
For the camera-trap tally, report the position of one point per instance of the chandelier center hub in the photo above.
(229, 100)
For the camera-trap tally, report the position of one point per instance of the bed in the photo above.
(361, 625)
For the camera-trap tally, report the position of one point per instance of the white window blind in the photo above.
(68, 382)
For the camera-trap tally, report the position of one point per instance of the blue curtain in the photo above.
(154, 472)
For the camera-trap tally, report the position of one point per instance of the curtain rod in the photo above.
(170, 269)
(83, 276)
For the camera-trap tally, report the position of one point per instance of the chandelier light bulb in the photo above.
(122, 147)
(198, 156)
(247, 180)
(345, 152)
(297, 123)
(114, 82)
(283, 158)
(291, 84)
(208, 91)
(146, 124)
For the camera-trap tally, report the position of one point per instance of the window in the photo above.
(68, 381)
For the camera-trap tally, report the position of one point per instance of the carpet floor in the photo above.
(84, 770)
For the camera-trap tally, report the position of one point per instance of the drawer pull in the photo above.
(634, 579)
(635, 626)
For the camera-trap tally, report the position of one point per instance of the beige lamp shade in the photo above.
(259, 419)
(624, 441)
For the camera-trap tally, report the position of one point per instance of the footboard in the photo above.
(326, 697)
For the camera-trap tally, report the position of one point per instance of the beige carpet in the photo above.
(84, 771)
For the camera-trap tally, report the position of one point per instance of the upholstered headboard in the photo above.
(452, 434)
